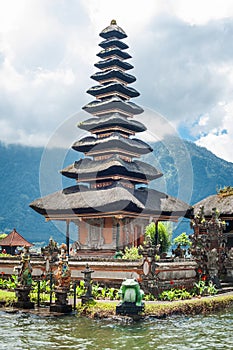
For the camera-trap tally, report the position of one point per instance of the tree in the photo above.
(2, 235)
(164, 235)
(182, 240)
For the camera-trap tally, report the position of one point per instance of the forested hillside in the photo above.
(190, 172)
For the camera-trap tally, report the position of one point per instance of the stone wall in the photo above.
(111, 272)
(165, 275)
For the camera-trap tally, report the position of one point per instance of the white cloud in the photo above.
(219, 140)
(133, 17)
(158, 127)
(203, 120)
(20, 136)
(181, 50)
(201, 12)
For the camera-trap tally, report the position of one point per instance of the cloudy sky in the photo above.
(182, 53)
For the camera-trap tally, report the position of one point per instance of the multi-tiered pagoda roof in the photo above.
(110, 180)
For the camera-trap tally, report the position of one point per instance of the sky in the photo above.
(182, 53)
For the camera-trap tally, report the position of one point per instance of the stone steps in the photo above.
(226, 287)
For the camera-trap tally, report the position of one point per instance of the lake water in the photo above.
(24, 331)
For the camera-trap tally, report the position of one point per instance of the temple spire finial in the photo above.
(113, 22)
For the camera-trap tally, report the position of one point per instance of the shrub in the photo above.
(203, 288)
(182, 240)
(164, 235)
(131, 254)
(175, 294)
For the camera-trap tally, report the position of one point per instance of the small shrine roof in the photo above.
(114, 103)
(110, 121)
(113, 88)
(14, 239)
(116, 140)
(111, 166)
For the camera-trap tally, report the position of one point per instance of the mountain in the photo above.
(20, 184)
(190, 173)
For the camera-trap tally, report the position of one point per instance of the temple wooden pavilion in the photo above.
(12, 241)
(111, 202)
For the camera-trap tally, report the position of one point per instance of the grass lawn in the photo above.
(7, 297)
(103, 309)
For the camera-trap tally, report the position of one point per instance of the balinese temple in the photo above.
(111, 203)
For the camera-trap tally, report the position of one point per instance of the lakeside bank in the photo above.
(162, 309)
(106, 309)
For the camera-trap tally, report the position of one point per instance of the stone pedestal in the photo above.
(88, 297)
(129, 309)
(23, 301)
(61, 304)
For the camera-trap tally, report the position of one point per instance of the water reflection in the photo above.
(22, 331)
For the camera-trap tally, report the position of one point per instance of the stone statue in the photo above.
(130, 292)
(62, 283)
(229, 264)
(63, 274)
(131, 296)
(25, 272)
(75, 247)
(230, 255)
(51, 251)
(212, 256)
(87, 297)
(178, 252)
(23, 287)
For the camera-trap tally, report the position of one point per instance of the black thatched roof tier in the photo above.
(112, 121)
(115, 141)
(113, 31)
(113, 52)
(113, 43)
(75, 201)
(112, 75)
(116, 198)
(113, 104)
(113, 88)
(223, 203)
(108, 168)
(112, 63)
(158, 202)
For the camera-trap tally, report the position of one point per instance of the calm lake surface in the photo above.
(24, 331)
